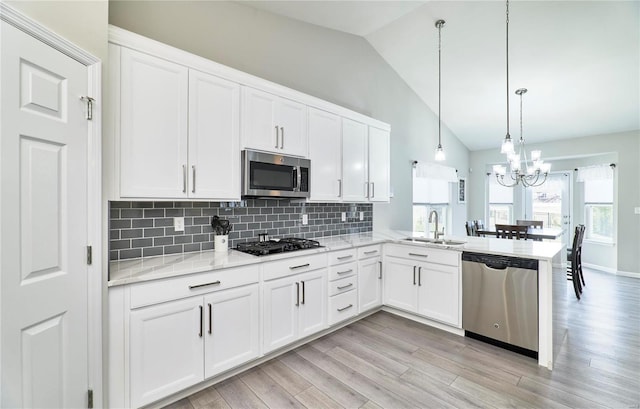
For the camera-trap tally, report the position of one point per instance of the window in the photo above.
(430, 194)
(500, 203)
(598, 208)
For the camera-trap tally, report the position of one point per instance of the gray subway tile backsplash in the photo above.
(144, 229)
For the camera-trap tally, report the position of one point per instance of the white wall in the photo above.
(328, 64)
(624, 149)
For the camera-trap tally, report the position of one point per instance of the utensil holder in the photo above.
(221, 243)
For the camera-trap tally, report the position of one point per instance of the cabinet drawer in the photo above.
(158, 291)
(343, 285)
(343, 306)
(342, 256)
(343, 270)
(294, 265)
(369, 251)
(425, 254)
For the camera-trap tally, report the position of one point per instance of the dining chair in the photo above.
(574, 261)
(511, 231)
(479, 226)
(471, 228)
(534, 224)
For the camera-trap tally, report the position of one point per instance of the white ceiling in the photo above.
(580, 60)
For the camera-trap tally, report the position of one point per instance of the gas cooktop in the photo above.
(263, 248)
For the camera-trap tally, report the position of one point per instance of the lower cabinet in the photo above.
(293, 308)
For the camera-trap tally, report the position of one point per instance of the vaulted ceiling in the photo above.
(579, 60)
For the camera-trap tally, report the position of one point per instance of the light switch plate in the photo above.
(344, 216)
(178, 223)
(305, 219)
(637, 210)
(361, 216)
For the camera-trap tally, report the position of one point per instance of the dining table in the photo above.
(550, 233)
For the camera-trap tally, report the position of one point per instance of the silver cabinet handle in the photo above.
(281, 137)
(345, 286)
(184, 178)
(414, 275)
(419, 255)
(339, 187)
(366, 189)
(193, 169)
(302, 302)
(191, 287)
(345, 257)
(297, 294)
(345, 308)
(210, 320)
(201, 318)
(344, 272)
(371, 252)
(380, 271)
(276, 136)
(419, 276)
(300, 266)
(373, 190)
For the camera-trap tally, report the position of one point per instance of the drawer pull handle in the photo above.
(345, 308)
(345, 286)
(300, 266)
(345, 257)
(191, 287)
(345, 272)
(419, 255)
(371, 252)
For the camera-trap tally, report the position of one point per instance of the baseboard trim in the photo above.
(628, 274)
(422, 320)
(613, 271)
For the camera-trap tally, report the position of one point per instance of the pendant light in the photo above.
(507, 144)
(439, 151)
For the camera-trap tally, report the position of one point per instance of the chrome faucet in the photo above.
(435, 233)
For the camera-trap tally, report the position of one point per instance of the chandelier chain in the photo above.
(507, 57)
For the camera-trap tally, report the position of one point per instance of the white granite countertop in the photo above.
(153, 268)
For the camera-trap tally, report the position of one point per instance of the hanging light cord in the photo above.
(440, 23)
(507, 69)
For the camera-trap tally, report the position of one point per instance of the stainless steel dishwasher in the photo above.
(500, 301)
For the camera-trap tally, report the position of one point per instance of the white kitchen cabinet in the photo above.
(166, 353)
(179, 131)
(365, 162)
(294, 307)
(369, 283)
(400, 282)
(273, 123)
(325, 152)
(437, 294)
(153, 126)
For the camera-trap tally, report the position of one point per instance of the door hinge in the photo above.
(89, 255)
(90, 102)
(90, 399)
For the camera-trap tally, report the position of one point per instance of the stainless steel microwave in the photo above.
(272, 175)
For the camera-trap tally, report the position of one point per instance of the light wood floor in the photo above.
(390, 362)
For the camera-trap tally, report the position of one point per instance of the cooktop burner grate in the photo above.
(263, 248)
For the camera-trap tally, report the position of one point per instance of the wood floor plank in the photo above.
(238, 395)
(341, 393)
(370, 405)
(313, 398)
(558, 395)
(268, 390)
(285, 377)
(181, 404)
(206, 398)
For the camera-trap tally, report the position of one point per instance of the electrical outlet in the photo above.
(343, 217)
(361, 216)
(305, 219)
(637, 210)
(178, 223)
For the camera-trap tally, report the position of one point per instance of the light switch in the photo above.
(361, 216)
(305, 219)
(344, 216)
(178, 223)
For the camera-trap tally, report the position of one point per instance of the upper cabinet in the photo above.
(179, 131)
(325, 153)
(272, 123)
(379, 161)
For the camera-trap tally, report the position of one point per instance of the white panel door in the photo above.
(259, 128)
(280, 312)
(232, 330)
(214, 145)
(379, 157)
(325, 152)
(354, 161)
(369, 284)
(166, 350)
(43, 233)
(313, 302)
(400, 284)
(438, 293)
(291, 118)
(153, 127)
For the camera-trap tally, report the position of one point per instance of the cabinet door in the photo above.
(438, 293)
(166, 352)
(379, 157)
(291, 118)
(400, 284)
(354, 161)
(312, 312)
(232, 330)
(325, 152)
(258, 120)
(369, 284)
(214, 146)
(153, 127)
(280, 313)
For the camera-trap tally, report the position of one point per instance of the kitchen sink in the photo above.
(441, 242)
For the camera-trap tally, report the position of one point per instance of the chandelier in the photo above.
(439, 151)
(521, 170)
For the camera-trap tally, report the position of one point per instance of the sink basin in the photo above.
(441, 242)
